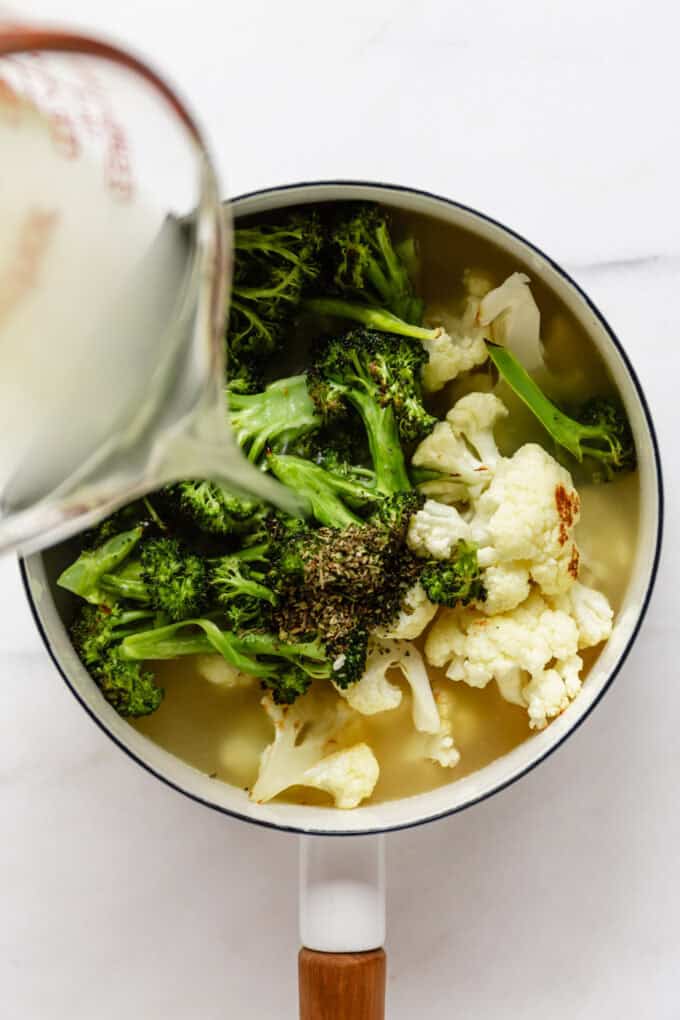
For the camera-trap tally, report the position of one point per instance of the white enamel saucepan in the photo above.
(342, 881)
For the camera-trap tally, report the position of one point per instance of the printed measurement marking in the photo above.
(77, 109)
(10, 104)
(21, 276)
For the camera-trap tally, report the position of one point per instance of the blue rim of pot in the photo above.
(301, 830)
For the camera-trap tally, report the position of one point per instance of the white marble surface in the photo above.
(560, 897)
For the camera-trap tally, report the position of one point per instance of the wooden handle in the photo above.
(342, 986)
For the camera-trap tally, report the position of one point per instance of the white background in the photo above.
(560, 896)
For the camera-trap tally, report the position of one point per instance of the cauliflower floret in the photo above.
(591, 611)
(462, 447)
(445, 638)
(511, 684)
(445, 490)
(549, 692)
(425, 714)
(506, 585)
(474, 417)
(449, 356)
(349, 776)
(478, 648)
(528, 514)
(531, 652)
(435, 530)
(415, 614)
(529, 636)
(304, 734)
(460, 346)
(216, 670)
(507, 314)
(514, 319)
(441, 747)
(445, 451)
(374, 693)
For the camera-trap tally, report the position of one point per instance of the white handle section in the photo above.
(342, 893)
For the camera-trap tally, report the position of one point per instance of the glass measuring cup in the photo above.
(114, 270)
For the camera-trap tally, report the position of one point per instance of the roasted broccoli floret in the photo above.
(139, 514)
(96, 635)
(395, 512)
(164, 575)
(213, 509)
(456, 581)
(338, 442)
(273, 264)
(275, 417)
(129, 688)
(175, 578)
(347, 654)
(606, 435)
(334, 496)
(96, 628)
(599, 429)
(286, 682)
(379, 375)
(361, 262)
(238, 585)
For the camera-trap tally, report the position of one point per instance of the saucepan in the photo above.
(342, 873)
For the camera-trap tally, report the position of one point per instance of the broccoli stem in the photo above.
(322, 490)
(280, 289)
(391, 475)
(253, 553)
(247, 586)
(172, 641)
(125, 587)
(375, 318)
(277, 242)
(129, 616)
(153, 514)
(395, 288)
(412, 307)
(284, 410)
(83, 577)
(578, 438)
(313, 652)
